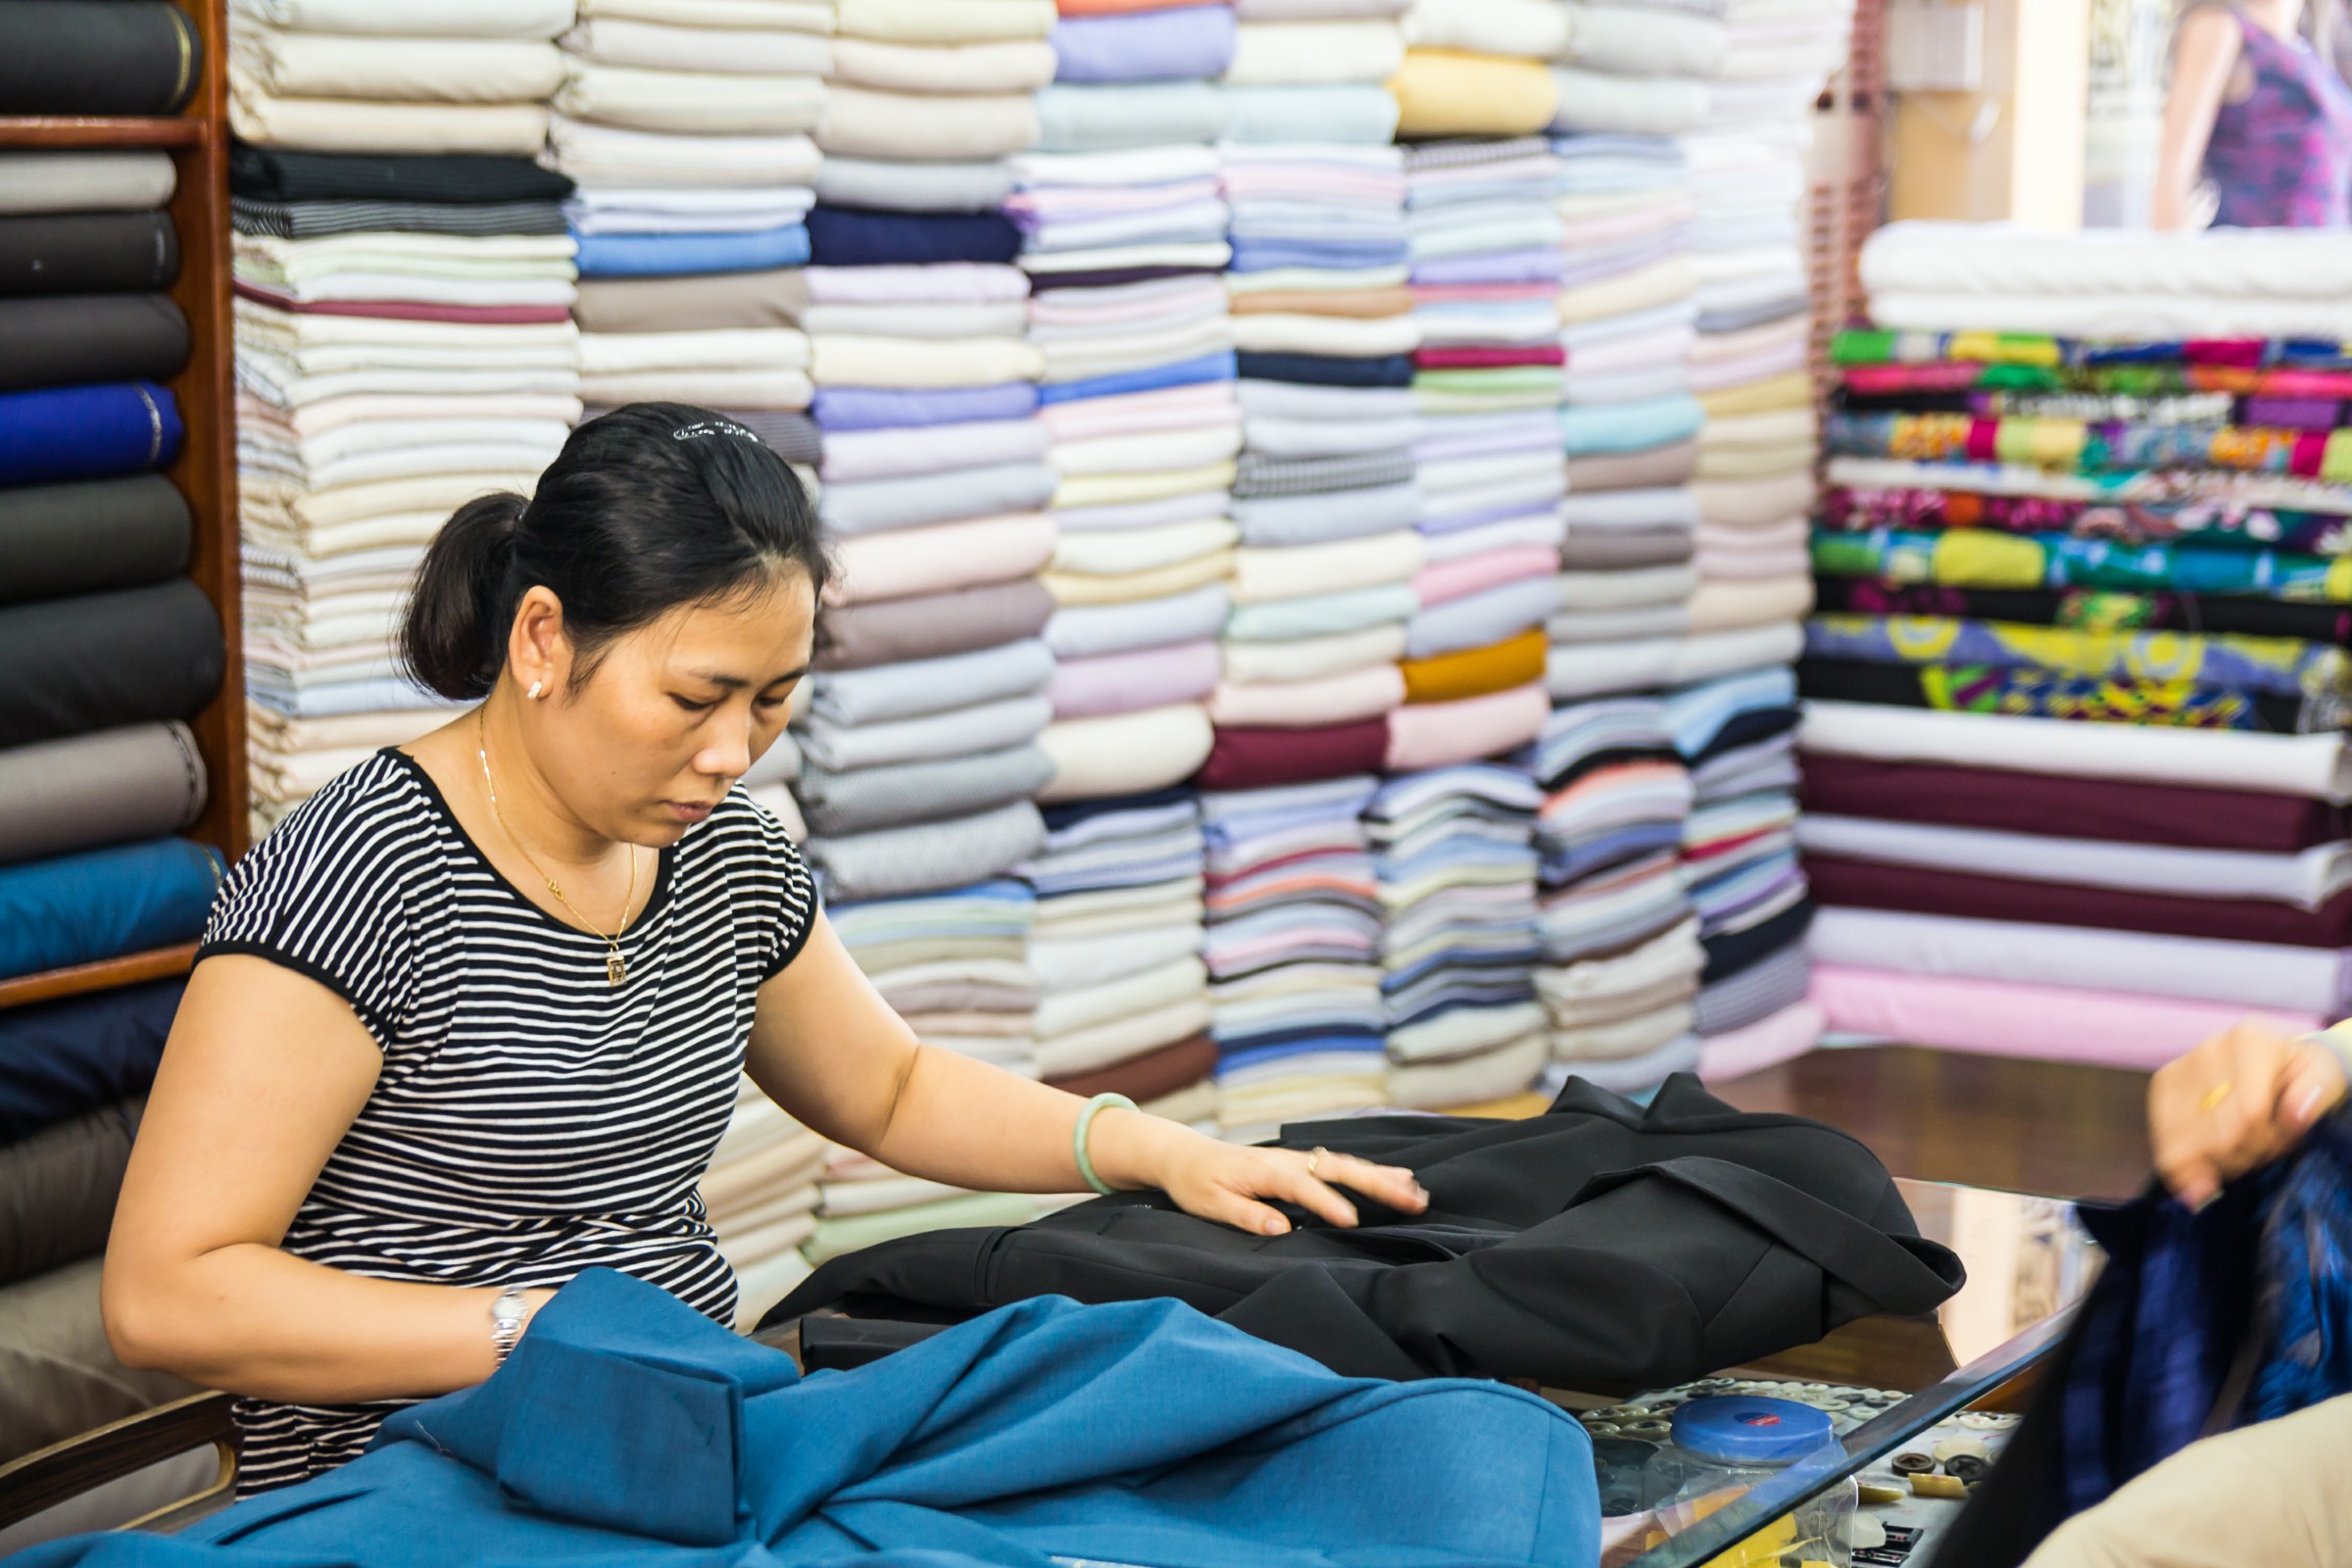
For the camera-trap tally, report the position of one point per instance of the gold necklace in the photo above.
(616, 968)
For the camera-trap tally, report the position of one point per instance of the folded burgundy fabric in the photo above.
(1253, 759)
(1146, 1078)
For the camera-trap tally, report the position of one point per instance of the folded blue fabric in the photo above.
(692, 255)
(1362, 115)
(86, 432)
(1261, 1047)
(1255, 255)
(1601, 427)
(61, 1059)
(103, 903)
(381, 693)
(1326, 369)
(1080, 118)
(627, 1428)
(863, 236)
(859, 407)
(1186, 43)
(1219, 366)
(1530, 265)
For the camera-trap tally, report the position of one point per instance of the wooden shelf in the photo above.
(70, 130)
(129, 970)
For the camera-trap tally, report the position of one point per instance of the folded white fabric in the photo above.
(2111, 316)
(609, 155)
(787, 16)
(856, 455)
(1064, 1012)
(1126, 754)
(943, 20)
(1643, 40)
(695, 210)
(914, 320)
(621, 41)
(1317, 10)
(1341, 699)
(1112, 551)
(1598, 101)
(1307, 659)
(1261, 577)
(1074, 963)
(735, 348)
(1343, 336)
(934, 559)
(346, 126)
(946, 282)
(1469, 1080)
(897, 185)
(862, 122)
(725, 389)
(1299, 53)
(417, 18)
(922, 365)
(1994, 260)
(690, 101)
(1159, 450)
(1534, 29)
(1021, 65)
(471, 71)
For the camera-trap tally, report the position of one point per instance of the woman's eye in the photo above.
(690, 704)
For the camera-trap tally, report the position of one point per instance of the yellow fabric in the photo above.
(1793, 390)
(1365, 303)
(1518, 1107)
(1475, 671)
(1445, 92)
(1123, 489)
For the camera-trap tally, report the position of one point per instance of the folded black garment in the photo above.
(68, 666)
(1600, 1247)
(60, 539)
(1731, 952)
(63, 1059)
(1326, 369)
(860, 236)
(69, 339)
(57, 1190)
(251, 214)
(143, 781)
(97, 57)
(87, 252)
(270, 174)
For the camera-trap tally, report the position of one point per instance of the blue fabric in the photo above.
(858, 408)
(1259, 255)
(1360, 115)
(1638, 426)
(86, 432)
(1183, 43)
(1217, 366)
(690, 255)
(1326, 369)
(103, 903)
(61, 1059)
(628, 1429)
(859, 236)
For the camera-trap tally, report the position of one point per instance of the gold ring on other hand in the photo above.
(2214, 1096)
(1316, 1158)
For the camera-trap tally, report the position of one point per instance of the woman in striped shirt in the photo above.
(470, 1021)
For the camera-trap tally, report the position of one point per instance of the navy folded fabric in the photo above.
(692, 255)
(68, 666)
(68, 339)
(86, 432)
(61, 1059)
(864, 237)
(102, 903)
(120, 57)
(1113, 276)
(275, 174)
(87, 252)
(1323, 369)
(60, 539)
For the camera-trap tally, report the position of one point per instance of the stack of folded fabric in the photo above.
(1474, 67)
(1293, 952)
(1640, 68)
(1453, 849)
(1122, 995)
(686, 127)
(861, 1203)
(1620, 950)
(761, 1192)
(105, 644)
(2140, 526)
(1123, 237)
(1486, 268)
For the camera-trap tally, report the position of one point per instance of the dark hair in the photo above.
(650, 507)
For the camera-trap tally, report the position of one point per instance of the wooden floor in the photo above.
(2052, 1128)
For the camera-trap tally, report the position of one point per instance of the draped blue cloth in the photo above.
(627, 1429)
(103, 903)
(88, 433)
(874, 408)
(692, 255)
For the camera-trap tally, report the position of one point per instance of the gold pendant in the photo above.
(615, 971)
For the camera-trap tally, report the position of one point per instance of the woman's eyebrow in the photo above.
(736, 683)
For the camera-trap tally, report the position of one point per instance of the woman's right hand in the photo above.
(2234, 1104)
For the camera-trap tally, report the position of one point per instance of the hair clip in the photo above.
(695, 432)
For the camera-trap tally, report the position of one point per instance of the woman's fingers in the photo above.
(1314, 1193)
(2234, 1103)
(1390, 1185)
(2312, 1086)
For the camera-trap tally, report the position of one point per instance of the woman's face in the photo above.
(674, 713)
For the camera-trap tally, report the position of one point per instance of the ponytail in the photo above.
(453, 639)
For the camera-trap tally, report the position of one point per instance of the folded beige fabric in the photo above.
(931, 560)
(943, 20)
(411, 19)
(611, 156)
(1158, 449)
(1129, 489)
(1109, 551)
(1126, 754)
(1108, 1045)
(1068, 1012)
(346, 126)
(1472, 1080)
(1342, 699)
(732, 51)
(750, 300)
(1296, 53)
(1660, 283)
(1751, 505)
(1313, 658)
(787, 16)
(468, 71)
(1260, 576)
(1793, 390)
(692, 100)
(1731, 605)
(1015, 65)
(861, 123)
(1352, 337)
(920, 364)
(778, 348)
(725, 389)
(1530, 30)
(1135, 587)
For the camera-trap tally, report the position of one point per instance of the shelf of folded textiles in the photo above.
(99, 130)
(104, 975)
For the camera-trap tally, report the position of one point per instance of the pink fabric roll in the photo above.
(1341, 699)
(1124, 684)
(1442, 581)
(1767, 1043)
(936, 559)
(2051, 1023)
(1440, 734)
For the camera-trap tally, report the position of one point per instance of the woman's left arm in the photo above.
(830, 1051)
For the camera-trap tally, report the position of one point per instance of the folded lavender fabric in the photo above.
(1122, 683)
(1187, 44)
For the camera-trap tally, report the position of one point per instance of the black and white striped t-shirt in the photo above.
(531, 1120)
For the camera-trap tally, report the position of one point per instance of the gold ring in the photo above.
(2214, 1096)
(1316, 1158)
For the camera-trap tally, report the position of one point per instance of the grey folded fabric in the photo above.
(1739, 317)
(140, 782)
(1623, 549)
(879, 506)
(912, 187)
(1322, 519)
(58, 1189)
(67, 339)
(1635, 471)
(58, 1376)
(88, 252)
(957, 996)
(867, 799)
(100, 661)
(86, 182)
(251, 214)
(927, 858)
(929, 685)
(1757, 992)
(691, 304)
(1479, 619)
(1082, 631)
(62, 539)
(981, 727)
(932, 625)
(1260, 474)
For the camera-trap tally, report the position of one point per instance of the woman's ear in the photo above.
(538, 653)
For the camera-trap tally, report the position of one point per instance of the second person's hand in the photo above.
(2234, 1104)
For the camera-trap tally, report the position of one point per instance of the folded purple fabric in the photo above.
(861, 408)
(1190, 43)
(1491, 266)
(1127, 683)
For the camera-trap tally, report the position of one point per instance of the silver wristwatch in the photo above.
(506, 1316)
